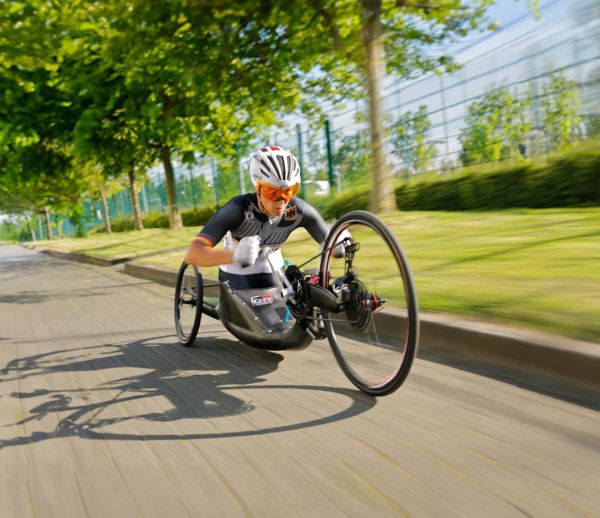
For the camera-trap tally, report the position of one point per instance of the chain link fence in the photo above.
(333, 155)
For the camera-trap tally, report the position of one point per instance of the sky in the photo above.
(515, 18)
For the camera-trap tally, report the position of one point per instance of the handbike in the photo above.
(362, 300)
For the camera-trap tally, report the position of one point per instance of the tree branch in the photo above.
(418, 5)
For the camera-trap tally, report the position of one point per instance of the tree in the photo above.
(349, 46)
(195, 71)
(36, 118)
(495, 127)
(409, 140)
(149, 80)
(100, 185)
(560, 106)
(185, 79)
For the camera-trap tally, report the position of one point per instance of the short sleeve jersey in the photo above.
(242, 217)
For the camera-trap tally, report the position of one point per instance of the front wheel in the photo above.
(375, 337)
(189, 297)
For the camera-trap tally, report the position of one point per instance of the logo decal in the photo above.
(249, 216)
(290, 213)
(263, 300)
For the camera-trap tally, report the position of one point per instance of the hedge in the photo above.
(567, 180)
(350, 200)
(190, 218)
(563, 181)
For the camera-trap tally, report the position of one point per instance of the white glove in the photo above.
(340, 250)
(247, 251)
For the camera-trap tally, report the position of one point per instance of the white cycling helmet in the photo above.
(276, 166)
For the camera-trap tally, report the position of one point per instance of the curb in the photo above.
(565, 363)
(152, 273)
(83, 258)
(99, 261)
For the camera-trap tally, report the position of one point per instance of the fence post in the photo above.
(329, 155)
(239, 168)
(213, 170)
(144, 198)
(192, 186)
(122, 204)
(444, 117)
(300, 159)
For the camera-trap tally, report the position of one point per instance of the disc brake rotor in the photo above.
(358, 304)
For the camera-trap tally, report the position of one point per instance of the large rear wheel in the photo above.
(375, 337)
(189, 297)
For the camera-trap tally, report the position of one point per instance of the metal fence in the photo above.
(520, 57)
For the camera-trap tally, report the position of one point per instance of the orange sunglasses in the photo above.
(273, 193)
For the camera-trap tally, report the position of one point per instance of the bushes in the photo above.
(155, 220)
(350, 200)
(190, 218)
(563, 181)
(118, 225)
(196, 218)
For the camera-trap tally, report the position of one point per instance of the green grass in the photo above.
(538, 268)
(123, 244)
(533, 268)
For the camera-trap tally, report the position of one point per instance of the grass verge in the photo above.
(123, 244)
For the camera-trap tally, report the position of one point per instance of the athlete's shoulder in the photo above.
(242, 201)
(229, 217)
(237, 206)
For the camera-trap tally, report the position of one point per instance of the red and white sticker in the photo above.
(267, 298)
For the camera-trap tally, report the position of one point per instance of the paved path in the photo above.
(102, 414)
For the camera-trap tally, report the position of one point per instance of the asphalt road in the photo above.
(103, 414)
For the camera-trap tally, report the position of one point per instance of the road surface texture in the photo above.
(102, 414)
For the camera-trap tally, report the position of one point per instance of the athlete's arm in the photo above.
(201, 253)
(318, 229)
(312, 221)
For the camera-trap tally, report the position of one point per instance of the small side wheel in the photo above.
(375, 337)
(189, 296)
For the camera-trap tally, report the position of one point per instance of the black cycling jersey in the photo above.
(242, 217)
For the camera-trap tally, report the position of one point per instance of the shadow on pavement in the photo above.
(170, 384)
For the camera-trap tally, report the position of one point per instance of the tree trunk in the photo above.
(382, 195)
(47, 221)
(30, 229)
(135, 202)
(105, 212)
(174, 214)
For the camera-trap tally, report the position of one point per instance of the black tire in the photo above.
(189, 297)
(375, 338)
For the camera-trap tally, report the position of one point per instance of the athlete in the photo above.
(261, 219)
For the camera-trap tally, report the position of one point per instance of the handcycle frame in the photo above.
(278, 311)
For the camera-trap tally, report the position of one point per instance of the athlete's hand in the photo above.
(247, 251)
(340, 249)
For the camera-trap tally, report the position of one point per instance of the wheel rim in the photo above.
(374, 338)
(187, 304)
